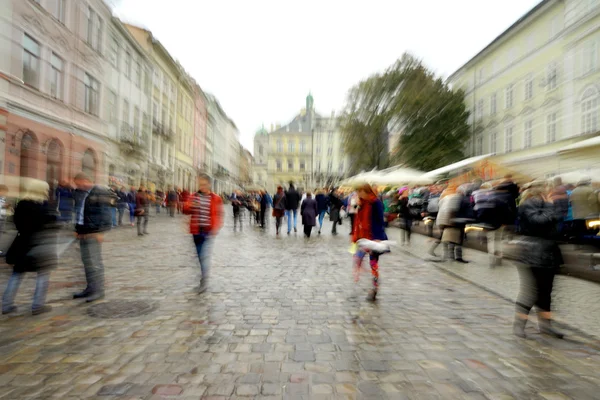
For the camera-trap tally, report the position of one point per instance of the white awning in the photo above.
(456, 166)
(595, 141)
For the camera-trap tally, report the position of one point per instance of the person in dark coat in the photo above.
(121, 203)
(264, 203)
(292, 201)
(142, 210)
(66, 202)
(309, 214)
(131, 202)
(322, 205)
(92, 220)
(540, 258)
(335, 206)
(34, 248)
(406, 217)
(279, 207)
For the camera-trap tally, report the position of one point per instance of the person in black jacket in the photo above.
(92, 220)
(309, 214)
(335, 206)
(292, 201)
(121, 203)
(540, 257)
(34, 248)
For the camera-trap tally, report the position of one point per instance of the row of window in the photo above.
(290, 166)
(510, 134)
(32, 68)
(551, 82)
(291, 146)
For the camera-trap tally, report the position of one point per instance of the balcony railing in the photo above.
(132, 143)
(163, 131)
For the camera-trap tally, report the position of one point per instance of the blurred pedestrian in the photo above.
(352, 208)
(279, 208)
(540, 258)
(264, 203)
(585, 205)
(406, 217)
(292, 201)
(236, 205)
(308, 210)
(452, 235)
(335, 206)
(560, 200)
(121, 204)
(322, 203)
(3, 208)
(142, 209)
(92, 220)
(113, 210)
(34, 248)
(131, 202)
(368, 224)
(172, 201)
(65, 200)
(206, 211)
(160, 198)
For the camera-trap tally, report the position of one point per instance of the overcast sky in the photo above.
(260, 58)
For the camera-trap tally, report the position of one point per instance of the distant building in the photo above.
(307, 151)
(535, 90)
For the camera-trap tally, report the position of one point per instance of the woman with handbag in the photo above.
(34, 248)
(279, 205)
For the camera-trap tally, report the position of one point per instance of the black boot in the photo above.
(519, 327)
(545, 326)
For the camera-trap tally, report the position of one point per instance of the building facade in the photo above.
(307, 151)
(184, 155)
(127, 106)
(200, 163)
(535, 90)
(165, 85)
(51, 93)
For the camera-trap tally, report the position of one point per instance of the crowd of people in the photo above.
(538, 214)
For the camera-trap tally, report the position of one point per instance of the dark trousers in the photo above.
(406, 230)
(91, 255)
(278, 223)
(307, 230)
(352, 216)
(263, 210)
(143, 217)
(536, 288)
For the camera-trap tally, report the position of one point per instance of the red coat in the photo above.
(192, 207)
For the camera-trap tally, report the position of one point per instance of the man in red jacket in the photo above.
(206, 211)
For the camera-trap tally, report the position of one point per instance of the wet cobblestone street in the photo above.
(282, 319)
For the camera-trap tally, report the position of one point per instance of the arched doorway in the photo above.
(53, 166)
(28, 161)
(88, 164)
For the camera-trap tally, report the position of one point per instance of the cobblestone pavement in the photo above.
(576, 302)
(282, 319)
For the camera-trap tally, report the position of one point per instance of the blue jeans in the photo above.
(158, 208)
(113, 212)
(131, 213)
(91, 255)
(203, 242)
(41, 289)
(321, 217)
(289, 214)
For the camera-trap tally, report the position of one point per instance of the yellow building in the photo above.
(184, 162)
(535, 90)
(289, 155)
(164, 102)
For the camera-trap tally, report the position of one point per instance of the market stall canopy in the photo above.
(456, 167)
(363, 177)
(405, 176)
(595, 141)
(253, 188)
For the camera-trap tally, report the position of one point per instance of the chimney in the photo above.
(271, 128)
